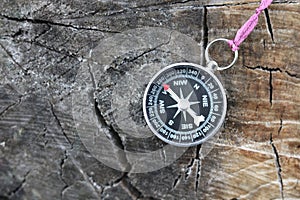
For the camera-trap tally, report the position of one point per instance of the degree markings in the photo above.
(210, 124)
(202, 133)
(185, 75)
(218, 102)
(206, 80)
(216, 114)
(215, 90)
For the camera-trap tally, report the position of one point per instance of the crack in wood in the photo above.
(286, 2)
(188, 169)
(176, 182)
(92, 78)
(109, 130)
(18, 33)
(25, 71)
(84, 175)
(114, 183)
(264, 68)
(154, 48)
(108, 13)
(67, 70)
(44, 136)
(63, 190)
(48, 22)
(119, 180)
(198, 174)
(270, 70)
(19, 187)
(63, 160)
(246, 3)
(132, 191)
(60, 125)
(67, 156)
(43, 32)
(114, 138)
(278, 166)
(62, 163)
(291, 74)
(8, 108)
(69, 54)
(280, 126)
(204, 35)
(140, 55)
(199, 167)
(269, 24)
(158, 5)
(230, 4)
(271, 88)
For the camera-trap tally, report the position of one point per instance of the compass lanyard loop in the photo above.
(248, 27)
(240, 36)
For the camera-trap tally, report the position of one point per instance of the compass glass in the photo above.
(184, 104)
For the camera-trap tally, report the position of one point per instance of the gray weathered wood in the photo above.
(43, 47)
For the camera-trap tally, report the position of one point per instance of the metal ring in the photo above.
(236, 54)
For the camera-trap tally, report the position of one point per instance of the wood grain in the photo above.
(44, 47)
(262, 130)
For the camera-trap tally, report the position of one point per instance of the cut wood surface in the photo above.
(52, 53)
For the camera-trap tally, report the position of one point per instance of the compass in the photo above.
(185, 104)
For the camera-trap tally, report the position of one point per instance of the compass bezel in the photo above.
(223, 111)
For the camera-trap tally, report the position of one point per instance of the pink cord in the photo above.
(248, 27)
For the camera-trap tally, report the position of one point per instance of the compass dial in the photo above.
(184, 104)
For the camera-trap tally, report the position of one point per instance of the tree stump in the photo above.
(68, 62)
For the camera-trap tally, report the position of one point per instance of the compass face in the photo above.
(184, 104)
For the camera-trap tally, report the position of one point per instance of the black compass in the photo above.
(184, 104)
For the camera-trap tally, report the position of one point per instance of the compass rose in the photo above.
(183, 105)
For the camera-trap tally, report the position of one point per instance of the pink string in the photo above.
(248, 27)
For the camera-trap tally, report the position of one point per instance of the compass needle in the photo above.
(178, 111)
(184, 115)
(189, 96)
(194, 103)
(197, 119)
(173, 106)
(181, 94)
(171, 92)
